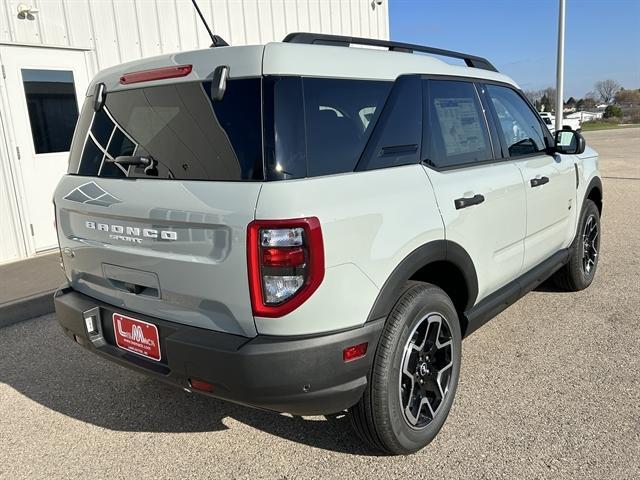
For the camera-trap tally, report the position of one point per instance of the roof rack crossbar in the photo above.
(342, 41)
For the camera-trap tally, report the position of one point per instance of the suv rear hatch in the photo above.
(167, 240)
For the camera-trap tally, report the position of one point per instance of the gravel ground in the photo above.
(549, 389)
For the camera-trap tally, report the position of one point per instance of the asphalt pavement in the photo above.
(548, 389)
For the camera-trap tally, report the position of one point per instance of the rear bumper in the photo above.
(302, 376)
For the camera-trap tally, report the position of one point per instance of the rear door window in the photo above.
(190, 136)
(455, 130)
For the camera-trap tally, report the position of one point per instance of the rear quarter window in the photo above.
(318, 126)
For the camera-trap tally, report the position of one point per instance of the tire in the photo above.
(423, 314)
(575, 275)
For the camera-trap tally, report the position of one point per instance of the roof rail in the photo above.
(341, 41)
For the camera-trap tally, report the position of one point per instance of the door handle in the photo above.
(465, 202)
(536, 182)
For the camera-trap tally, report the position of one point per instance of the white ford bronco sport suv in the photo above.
(309, 228)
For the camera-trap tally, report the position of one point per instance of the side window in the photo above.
(455, 131)
(336, 132)
(318, 126)
(522, 131)
(395, 139)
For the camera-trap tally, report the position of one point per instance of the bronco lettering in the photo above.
(132, 233)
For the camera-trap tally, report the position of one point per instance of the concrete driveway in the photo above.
(549, 389)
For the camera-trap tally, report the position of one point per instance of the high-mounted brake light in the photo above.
(156, 74)
(286, 264)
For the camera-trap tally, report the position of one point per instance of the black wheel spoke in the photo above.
(590, 244)
(425, 373)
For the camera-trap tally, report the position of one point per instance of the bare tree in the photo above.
(606, 90)
(533, 96)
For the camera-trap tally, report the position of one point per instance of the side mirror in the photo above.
(569, 141)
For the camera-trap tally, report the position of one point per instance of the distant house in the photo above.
(586, 116)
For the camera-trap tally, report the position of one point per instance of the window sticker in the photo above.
(460, 125)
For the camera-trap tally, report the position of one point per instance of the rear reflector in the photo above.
(354, 352)
(156, 74)
(201, 385)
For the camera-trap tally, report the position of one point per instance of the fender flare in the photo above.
(595, 182)
(437, 250)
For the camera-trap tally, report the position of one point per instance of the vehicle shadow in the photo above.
(38, 361)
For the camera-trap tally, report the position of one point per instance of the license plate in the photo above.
(137, 336)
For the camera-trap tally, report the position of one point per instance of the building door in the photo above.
(45, 88)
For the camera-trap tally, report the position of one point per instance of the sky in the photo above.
(602, 37)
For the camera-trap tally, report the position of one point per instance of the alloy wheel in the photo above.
(426, 368)
(590, 245)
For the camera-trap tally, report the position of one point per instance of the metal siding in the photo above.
(27, 31)
(252, 22)
(126, 26)
(80, 32)
(128, 29)
(6, 34)
(115, 31)
(150, 24)
(105, 35)
(53, 33)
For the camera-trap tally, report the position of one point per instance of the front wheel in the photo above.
(414, 374)
(584, 252)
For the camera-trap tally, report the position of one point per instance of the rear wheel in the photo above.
(414, 375)
(584, 252)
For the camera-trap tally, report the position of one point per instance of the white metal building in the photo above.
(50, 49)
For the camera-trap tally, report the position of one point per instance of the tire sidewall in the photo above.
(581, 279)
(429, 301)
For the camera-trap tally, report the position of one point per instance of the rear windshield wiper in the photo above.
(149, 163)
(137, 160)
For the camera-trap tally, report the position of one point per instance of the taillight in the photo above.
(286, 264)
(156, 74)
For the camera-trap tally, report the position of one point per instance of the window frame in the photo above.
(496, 121)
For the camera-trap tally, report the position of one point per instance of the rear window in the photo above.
(274, 128)
(190, 136)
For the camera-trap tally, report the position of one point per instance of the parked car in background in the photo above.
(550, 122)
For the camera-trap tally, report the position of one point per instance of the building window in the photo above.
(53, 108)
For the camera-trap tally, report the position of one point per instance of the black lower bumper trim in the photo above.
(302, 376)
